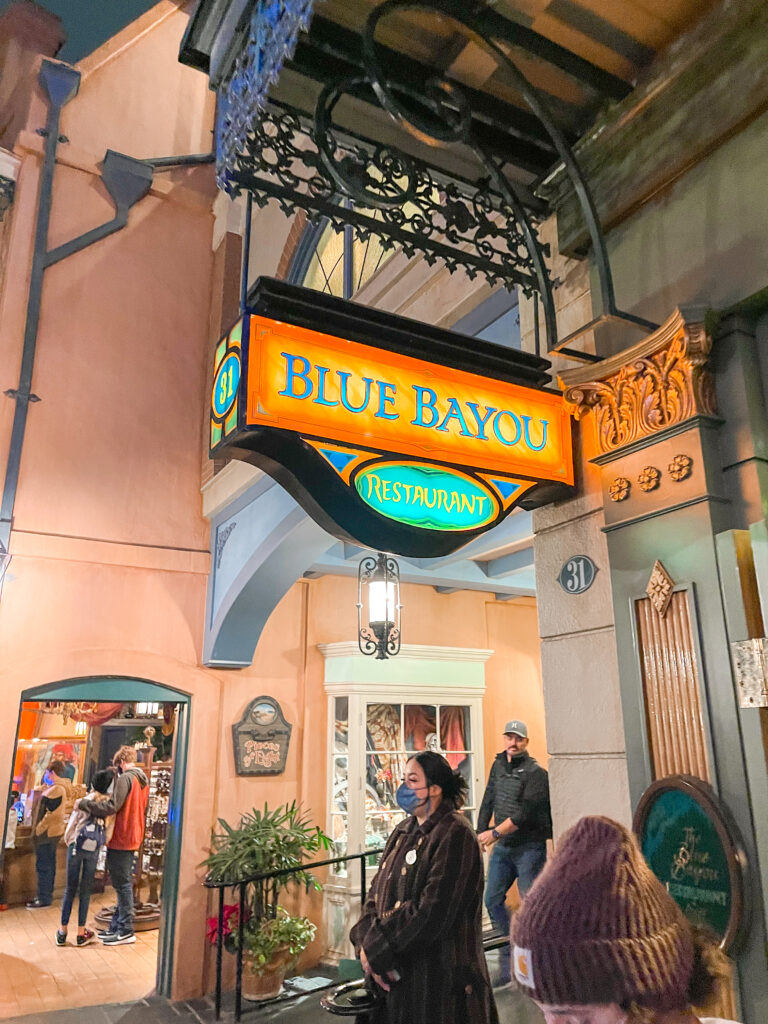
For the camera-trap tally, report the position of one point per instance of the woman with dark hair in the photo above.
(599, 940)
(419, 938)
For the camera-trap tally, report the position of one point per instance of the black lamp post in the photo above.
(378, 632)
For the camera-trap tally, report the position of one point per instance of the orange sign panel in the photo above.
(323, 386)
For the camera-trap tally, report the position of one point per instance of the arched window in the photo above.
(335, 262)
(338, 263)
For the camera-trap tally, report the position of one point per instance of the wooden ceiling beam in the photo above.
(498, 27)
(328, 41)
(530, 156)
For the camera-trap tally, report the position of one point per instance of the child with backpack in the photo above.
(85, 835)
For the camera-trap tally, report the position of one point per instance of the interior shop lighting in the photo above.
(69, 708)
(146, 710)
(378, 606)
(81, 728)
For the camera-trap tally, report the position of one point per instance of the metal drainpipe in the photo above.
(61, 84)
(127, 180)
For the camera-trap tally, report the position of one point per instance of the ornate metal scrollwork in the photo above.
(481, 226)
(395, 196)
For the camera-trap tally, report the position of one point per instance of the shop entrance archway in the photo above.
(126, 688)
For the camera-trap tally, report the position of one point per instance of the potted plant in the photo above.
(273, 939)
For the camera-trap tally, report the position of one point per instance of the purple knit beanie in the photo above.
(598, 926)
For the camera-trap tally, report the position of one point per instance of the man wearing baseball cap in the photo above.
(517, 797)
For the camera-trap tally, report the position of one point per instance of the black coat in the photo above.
(422, 920)
(517, 789)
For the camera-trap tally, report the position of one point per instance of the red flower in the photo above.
(229, 922)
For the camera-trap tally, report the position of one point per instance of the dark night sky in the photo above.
(89, 23)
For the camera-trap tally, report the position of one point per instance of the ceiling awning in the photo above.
(428, 122)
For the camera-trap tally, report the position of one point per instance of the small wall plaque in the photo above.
(577, 574)
(750, 664)
(261, 738)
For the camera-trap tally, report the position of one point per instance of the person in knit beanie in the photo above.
(599, 940)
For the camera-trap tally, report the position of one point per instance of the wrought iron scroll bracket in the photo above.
(459, 130)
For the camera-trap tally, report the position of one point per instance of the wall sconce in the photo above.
(378, 632)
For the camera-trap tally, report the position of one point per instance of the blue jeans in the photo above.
(45, 865)
(120, 867)
(81, 870)
(508, 863)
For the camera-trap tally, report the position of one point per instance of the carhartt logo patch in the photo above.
(523, 962)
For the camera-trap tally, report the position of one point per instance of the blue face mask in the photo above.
(408, 800)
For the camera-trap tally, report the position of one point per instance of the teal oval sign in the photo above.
(692, 845)
(225, 385)
(429, 497)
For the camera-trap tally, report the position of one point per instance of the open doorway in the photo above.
(67, 734)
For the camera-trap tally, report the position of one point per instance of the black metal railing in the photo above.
(265, 904)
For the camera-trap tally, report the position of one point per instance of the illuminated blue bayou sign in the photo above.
(390, 433)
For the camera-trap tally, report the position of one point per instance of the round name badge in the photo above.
(410, 857)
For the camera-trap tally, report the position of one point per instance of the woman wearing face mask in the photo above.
(599, 940)
(419, 938)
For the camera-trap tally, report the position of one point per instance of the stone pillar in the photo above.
(585, 733)
(674, 475)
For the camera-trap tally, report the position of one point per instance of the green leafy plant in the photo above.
(283, 933)
(265, 841)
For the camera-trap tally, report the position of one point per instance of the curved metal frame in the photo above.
(451, 123)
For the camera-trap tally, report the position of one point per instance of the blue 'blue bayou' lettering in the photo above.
(303, 381)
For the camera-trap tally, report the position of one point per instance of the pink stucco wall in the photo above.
(110, 549)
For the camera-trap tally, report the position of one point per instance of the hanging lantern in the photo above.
(378, 629)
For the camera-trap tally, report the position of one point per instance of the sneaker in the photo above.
(61, 938)
(35, 903)
(102, 933)
(119, 939)
(85, 938)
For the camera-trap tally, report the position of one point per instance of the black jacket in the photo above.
(422, 919)
(517, 789)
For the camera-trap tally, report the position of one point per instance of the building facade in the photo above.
(143, 570)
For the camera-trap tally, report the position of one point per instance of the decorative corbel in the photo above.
(663, 380)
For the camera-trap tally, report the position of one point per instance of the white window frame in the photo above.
(418, 675)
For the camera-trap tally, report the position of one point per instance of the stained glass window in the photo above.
(335, 261)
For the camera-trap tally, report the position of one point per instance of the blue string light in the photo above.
(272, 36)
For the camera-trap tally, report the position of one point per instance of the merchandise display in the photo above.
(153, 849)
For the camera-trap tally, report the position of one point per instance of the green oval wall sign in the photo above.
(429, 497)
(693, 846)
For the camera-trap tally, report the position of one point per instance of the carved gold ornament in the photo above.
(680, 468)
(73, 709)
(619, 488)
(659, 589)
(649, 479)
(662, 380)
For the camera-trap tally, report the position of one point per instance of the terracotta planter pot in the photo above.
(265, 984)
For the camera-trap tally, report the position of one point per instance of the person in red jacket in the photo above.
(129, 805)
